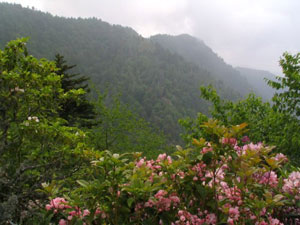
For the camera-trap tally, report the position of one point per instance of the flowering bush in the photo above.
(35, 144)
(222, 180)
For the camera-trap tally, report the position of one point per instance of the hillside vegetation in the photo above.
(159, 84)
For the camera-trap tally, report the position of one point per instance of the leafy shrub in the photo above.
(223, 179)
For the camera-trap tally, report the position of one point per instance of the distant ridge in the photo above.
(195, 51)
(257, 79)
(159, 77)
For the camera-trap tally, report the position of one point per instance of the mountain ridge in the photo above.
(257, 79)
(196, 51)
(160, 84)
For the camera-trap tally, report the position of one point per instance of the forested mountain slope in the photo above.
(158, 83)
(256, 79)
(195, 51)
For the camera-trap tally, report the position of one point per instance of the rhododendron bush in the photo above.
(224, 179)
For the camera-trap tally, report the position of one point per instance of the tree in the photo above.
(77, 111)
(279, 129)
(34, 145)
(120, 130)
(288, 100)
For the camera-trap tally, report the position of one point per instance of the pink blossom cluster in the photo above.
(154, 165)
(78, 213)
(163, 157)
(217, 177)
(199, 168)
(186, 218)
(268, 178)
(249, 147)
(206, 150)
(60, 204)
(230, 193)
(245, 139)
(280, 158)
(162, 202)
(57, 204)
(229, 141)
(271, 221)
(292, 184)
(222, 174)
(234, 215)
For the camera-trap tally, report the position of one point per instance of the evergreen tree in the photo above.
(79, 111)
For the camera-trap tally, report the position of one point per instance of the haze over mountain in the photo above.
(195, 51)
(251, 34)
(256, 78)
(159, 77)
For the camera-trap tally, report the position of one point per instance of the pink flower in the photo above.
(292, 184)
(205, 150)
(86, 212)
(182, 218)
(211, 218)
(252, 217)
(229, 141)
(269, 178)
(57, 203)
(234, 212)
(48, 207)
(181, 174)
(263, 212)
(160, 193)
(245, 139)
(280, 158)
(140, 163)
(161, 157)
(230, 221)
(274, 221)
(62, 222)
(174, 199)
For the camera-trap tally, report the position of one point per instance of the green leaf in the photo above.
(83, 183)
(130, 201)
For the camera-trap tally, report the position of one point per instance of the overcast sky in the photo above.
(249, 33)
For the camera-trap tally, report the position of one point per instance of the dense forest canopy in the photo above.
(154, 78)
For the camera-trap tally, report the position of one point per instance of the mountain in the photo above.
(195, 51)
(161, 85)
(256, 78)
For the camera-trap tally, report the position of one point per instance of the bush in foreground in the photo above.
(222, 180)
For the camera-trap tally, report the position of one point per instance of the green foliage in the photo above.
(38, 149)
(159, 85)
(216, 181)
(287, 100)
(35, 147)
(77, 111)
(280, 129)
(120, 130)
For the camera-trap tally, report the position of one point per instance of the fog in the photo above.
(245, 33)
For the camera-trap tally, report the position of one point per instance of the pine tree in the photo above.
(78, 112)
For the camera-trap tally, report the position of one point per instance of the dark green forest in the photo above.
(158, 82)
